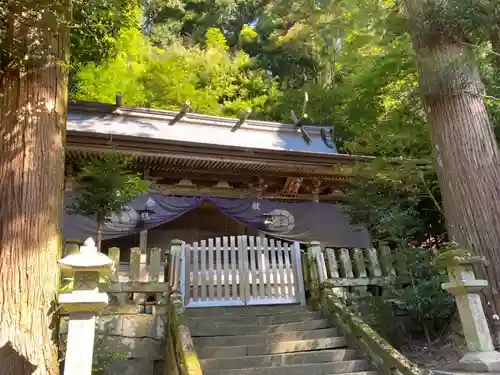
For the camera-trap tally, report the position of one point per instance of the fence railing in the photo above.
(353, 271)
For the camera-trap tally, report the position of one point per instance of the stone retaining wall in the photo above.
(134, 340)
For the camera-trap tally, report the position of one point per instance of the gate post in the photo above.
(299, 282)
(243, 254)
(175, 268)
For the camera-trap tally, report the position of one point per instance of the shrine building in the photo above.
(214, 177)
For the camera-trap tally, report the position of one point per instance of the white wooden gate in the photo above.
(235, 271)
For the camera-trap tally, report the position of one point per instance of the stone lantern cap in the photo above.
(457, 258)
(88, 259)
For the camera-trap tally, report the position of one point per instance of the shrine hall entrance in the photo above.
(242, 270)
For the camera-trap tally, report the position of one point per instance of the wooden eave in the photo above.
(180, 157)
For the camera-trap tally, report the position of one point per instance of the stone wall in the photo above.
(127, 344)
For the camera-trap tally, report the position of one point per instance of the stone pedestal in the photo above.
(465, 287)
(82, 304)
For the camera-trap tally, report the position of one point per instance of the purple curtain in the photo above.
(160, 209)
(302, 222)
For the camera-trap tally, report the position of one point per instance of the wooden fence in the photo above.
(354, 271)
(272, 271)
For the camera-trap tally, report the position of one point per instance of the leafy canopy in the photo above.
(212, 78)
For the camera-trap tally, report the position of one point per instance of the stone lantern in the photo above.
(82, 304)
(465, 287)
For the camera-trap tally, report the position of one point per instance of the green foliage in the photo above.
(424, 300)
(120, 74)
(96, 29)
(215, 39)
(189, 20)
(213, 79)
(461, 19)
(418, 307)
(398, 202)
(105, 185)
(97, 25)
(248, 34)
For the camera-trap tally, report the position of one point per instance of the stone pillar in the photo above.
(82, 304)
(465, 287)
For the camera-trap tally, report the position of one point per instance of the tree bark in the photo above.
(33, 100)
(467, 156)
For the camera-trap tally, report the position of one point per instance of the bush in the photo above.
(417, 306)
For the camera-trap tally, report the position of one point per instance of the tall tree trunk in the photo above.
(33, 99)
(467, 156)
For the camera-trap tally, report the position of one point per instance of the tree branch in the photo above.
(436, 203)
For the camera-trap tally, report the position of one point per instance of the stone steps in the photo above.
(271, 340)
(339, 367)
(270, 348)
(244, 329)
(246, 318)
(258, 339)
(250, 311)
(285, 359)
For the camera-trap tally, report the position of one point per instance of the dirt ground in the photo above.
(435, 355)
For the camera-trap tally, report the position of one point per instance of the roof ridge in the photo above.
(198, 118)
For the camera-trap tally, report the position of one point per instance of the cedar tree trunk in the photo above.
(33, 99)
(467, 156)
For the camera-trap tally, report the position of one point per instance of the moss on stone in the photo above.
(186, 355)
(365, 336)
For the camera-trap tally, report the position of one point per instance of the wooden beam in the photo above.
(232, 193)
(364, 281)
(227, 175)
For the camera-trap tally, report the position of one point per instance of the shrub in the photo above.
(416, 305)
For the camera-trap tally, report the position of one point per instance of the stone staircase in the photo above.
(271, 340)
